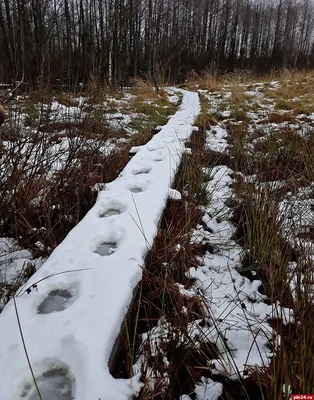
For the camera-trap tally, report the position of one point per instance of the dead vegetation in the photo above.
(53, 163)
(277, 154)
(270, 160)
(284, 156)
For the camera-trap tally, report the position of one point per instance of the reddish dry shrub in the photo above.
(45, 190)
(277, 118)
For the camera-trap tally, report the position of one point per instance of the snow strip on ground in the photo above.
(237, 310)
(71, 320)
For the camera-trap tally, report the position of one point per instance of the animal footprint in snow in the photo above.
(110, 212)
(136, 189)
(114, 207)
(157, 159)
(154, 148)
(141, 171)
(57, 300)
(55, 384)
(159, 156)
(106, 248)
(138, 186)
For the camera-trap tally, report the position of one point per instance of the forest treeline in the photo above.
(78, 41)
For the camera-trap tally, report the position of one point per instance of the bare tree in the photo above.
(72, 41)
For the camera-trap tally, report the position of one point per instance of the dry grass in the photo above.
(141, 88)
(277, 118)
(267, 255)
(282, 155)
(158, 298)
(297, 106)
(32, 197)
(295, 83)
(205, 80)
(273, 154)
(145, 90)
(66, 99)
(51, 173)
(238, 101)
(209, 82)
(285, 156)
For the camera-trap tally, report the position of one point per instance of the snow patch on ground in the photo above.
(12, 260)
(236, 310)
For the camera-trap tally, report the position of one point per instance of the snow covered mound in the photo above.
(71, 320)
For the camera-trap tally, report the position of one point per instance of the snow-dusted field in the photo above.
(235, 311)
(47, 146)
(72, 309)
(71, 320)
(237, 316)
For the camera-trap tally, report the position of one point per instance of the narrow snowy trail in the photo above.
(70, 321)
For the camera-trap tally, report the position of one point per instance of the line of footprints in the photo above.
(57, 383)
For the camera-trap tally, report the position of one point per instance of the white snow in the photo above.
(69, 344)
(235, 307)
(174, 194)
(216, 139)
(13, 260)
(208, 389)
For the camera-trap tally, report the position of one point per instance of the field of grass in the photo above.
(57, 150)
(224, 309)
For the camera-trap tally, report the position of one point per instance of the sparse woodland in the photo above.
(73, 42)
